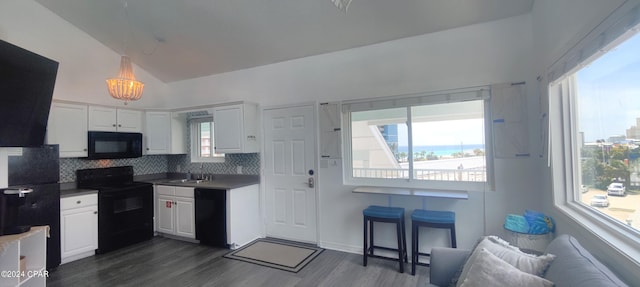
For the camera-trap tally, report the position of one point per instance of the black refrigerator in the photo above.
(37, 169)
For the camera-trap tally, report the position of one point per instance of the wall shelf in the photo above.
(33, 246)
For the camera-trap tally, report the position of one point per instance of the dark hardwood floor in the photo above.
(169, 262)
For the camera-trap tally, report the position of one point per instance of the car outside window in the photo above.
(601, 124)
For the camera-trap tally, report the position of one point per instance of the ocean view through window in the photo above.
(438, 145)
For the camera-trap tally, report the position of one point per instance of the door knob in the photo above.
(310, 182)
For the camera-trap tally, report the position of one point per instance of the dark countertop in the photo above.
(219, 181)
(75, 192)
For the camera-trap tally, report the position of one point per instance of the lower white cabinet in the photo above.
(175, 211)
(243, 215)
(78, 226)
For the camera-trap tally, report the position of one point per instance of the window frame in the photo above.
(194, 137)
(564, 153)
(408, 101)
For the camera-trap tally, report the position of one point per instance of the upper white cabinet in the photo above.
(67, 127)
(236, 128)
(165, 133)
(129, 120)
(112, 119)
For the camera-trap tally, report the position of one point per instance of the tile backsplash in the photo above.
(152, 164)
(143, 165)
(250, 163)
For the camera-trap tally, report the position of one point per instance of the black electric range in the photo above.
(125, 207)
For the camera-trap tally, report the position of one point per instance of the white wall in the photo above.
(495, 52)
(558, 26)
(85, 63)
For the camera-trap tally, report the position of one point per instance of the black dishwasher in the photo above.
(211, 217)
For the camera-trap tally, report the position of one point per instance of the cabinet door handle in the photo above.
(113, 125)
(78, 202)
(84, 149)
(95, 212)
(119, 126)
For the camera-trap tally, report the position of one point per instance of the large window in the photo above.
(202, 148)
(595, 133)
(431, 142)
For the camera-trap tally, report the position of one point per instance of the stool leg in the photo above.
(364, 235)
(454, 243)
(414, 247)
(371, 233)
(404, 241)
(399, 236)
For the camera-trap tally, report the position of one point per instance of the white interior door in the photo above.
(289, 153)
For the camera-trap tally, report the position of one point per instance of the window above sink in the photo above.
(202, 140)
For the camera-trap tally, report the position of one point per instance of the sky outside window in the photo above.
(609, 92)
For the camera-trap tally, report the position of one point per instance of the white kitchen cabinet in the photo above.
(236, 128)
(110, 119)
(165, 215)
(175, 211)
(31, 246)
(67, 127)
(243, 215)
(165, 133)
(78, 227)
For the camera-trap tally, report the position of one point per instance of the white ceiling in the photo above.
(182, 39)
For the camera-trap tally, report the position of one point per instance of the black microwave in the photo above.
(109, 145)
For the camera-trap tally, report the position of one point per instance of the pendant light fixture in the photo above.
(125, 86)
(342, 4)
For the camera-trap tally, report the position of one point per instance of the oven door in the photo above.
(125, 217)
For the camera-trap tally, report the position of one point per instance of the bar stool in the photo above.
(431, 219)
(395, 215)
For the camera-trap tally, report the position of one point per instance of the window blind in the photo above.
(441, 97)
(622, 21)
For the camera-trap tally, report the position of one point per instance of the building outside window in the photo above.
(430, 141)
(606, 124)
(595, 148)
(202, 149)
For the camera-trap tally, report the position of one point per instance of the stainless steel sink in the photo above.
(184, 180)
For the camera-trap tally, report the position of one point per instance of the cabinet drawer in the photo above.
(165, 190)
(78, 201)
(184, 191)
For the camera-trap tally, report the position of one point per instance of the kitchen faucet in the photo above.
(202, 170)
